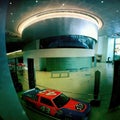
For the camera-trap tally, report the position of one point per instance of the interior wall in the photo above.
(57, 53)
(102, 48)
(78, 84)
(110, 49)
(74, 74)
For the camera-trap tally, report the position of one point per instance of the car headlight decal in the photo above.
(80, 106)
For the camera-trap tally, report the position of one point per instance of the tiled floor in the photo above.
(101, 112)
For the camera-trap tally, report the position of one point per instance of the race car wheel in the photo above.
(67, 118)
(59, 114)
(45, 109)
(85, 118)
(29, 104)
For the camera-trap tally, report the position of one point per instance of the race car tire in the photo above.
(67, 118)
(59, 114)
(85, 118)
(29, 104)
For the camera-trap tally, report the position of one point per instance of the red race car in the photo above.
(56, 104)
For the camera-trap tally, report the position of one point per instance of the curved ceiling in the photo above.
(20, 10)
(59, 13)
(58, 27)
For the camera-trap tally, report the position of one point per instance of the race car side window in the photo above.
(46, 101)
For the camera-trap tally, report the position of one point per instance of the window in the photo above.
(46, 101)
(61, 100)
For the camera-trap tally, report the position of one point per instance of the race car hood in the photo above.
(75, 105)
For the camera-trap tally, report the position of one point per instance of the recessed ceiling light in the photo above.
(63, 4)
(112, 21)
(117, 11)
(10, 3)
(11, 13)
(36, 1)
(102, 1)
(13, 21)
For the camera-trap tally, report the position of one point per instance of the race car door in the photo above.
(47, 106)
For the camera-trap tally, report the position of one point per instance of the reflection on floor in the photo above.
(101, 112)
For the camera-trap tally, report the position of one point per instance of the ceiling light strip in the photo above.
(18, 51)
(59, 14)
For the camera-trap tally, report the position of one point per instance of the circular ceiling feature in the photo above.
(59, 13)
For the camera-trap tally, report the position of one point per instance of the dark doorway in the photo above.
(31, 75)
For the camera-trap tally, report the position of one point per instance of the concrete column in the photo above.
(10, 107)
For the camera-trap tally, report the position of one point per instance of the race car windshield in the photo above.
(61, 100)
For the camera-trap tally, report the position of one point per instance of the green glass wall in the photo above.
(69, 63)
